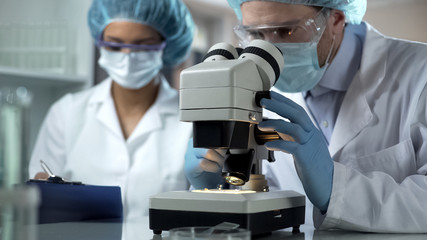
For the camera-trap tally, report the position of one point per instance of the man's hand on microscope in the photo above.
(312, 160)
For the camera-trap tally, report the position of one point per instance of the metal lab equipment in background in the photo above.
(19, 213)
(18, 204)
(14, 121)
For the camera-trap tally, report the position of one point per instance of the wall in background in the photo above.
(399, 18)
(214, 21)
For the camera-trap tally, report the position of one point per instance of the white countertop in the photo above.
(138, 230)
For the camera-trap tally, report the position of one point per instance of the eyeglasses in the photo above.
(116, 47)
(309, 29)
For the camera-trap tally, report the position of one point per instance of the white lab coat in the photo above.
(81, 140)
(379, 144)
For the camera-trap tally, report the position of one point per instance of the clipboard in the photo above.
(64, 201)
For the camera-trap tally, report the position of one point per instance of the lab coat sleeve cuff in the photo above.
(332, 217)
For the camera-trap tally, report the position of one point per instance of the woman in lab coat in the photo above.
(358, 116)
(126, 130)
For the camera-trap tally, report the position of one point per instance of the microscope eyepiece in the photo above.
(221, 51)
(267, 57)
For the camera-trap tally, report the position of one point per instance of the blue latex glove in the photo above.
(203, 167)
(312, 160)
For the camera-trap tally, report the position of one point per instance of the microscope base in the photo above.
(261, 213)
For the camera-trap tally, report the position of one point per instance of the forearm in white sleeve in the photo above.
(50, 144)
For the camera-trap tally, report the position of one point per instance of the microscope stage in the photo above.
(260, 212)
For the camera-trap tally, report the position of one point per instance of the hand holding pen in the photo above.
(48, 176)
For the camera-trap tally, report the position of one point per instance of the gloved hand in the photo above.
(312, 160)
(203, 167)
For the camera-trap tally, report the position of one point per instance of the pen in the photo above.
(55, 179)
(46, 168)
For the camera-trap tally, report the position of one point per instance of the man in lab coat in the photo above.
(356, 105)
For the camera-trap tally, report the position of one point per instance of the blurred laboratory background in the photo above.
(45, 45)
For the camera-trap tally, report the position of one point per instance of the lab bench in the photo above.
(137, 229)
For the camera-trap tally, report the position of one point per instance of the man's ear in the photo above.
(336, 22)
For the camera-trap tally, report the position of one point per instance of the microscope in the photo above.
(221, 97)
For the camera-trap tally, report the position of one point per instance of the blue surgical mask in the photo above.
(132, 70)
(302, 71)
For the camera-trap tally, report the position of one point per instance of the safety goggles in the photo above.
(309, 29)
(116, 47)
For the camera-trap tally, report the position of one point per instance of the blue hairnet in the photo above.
(354, 10)
(170, 18)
